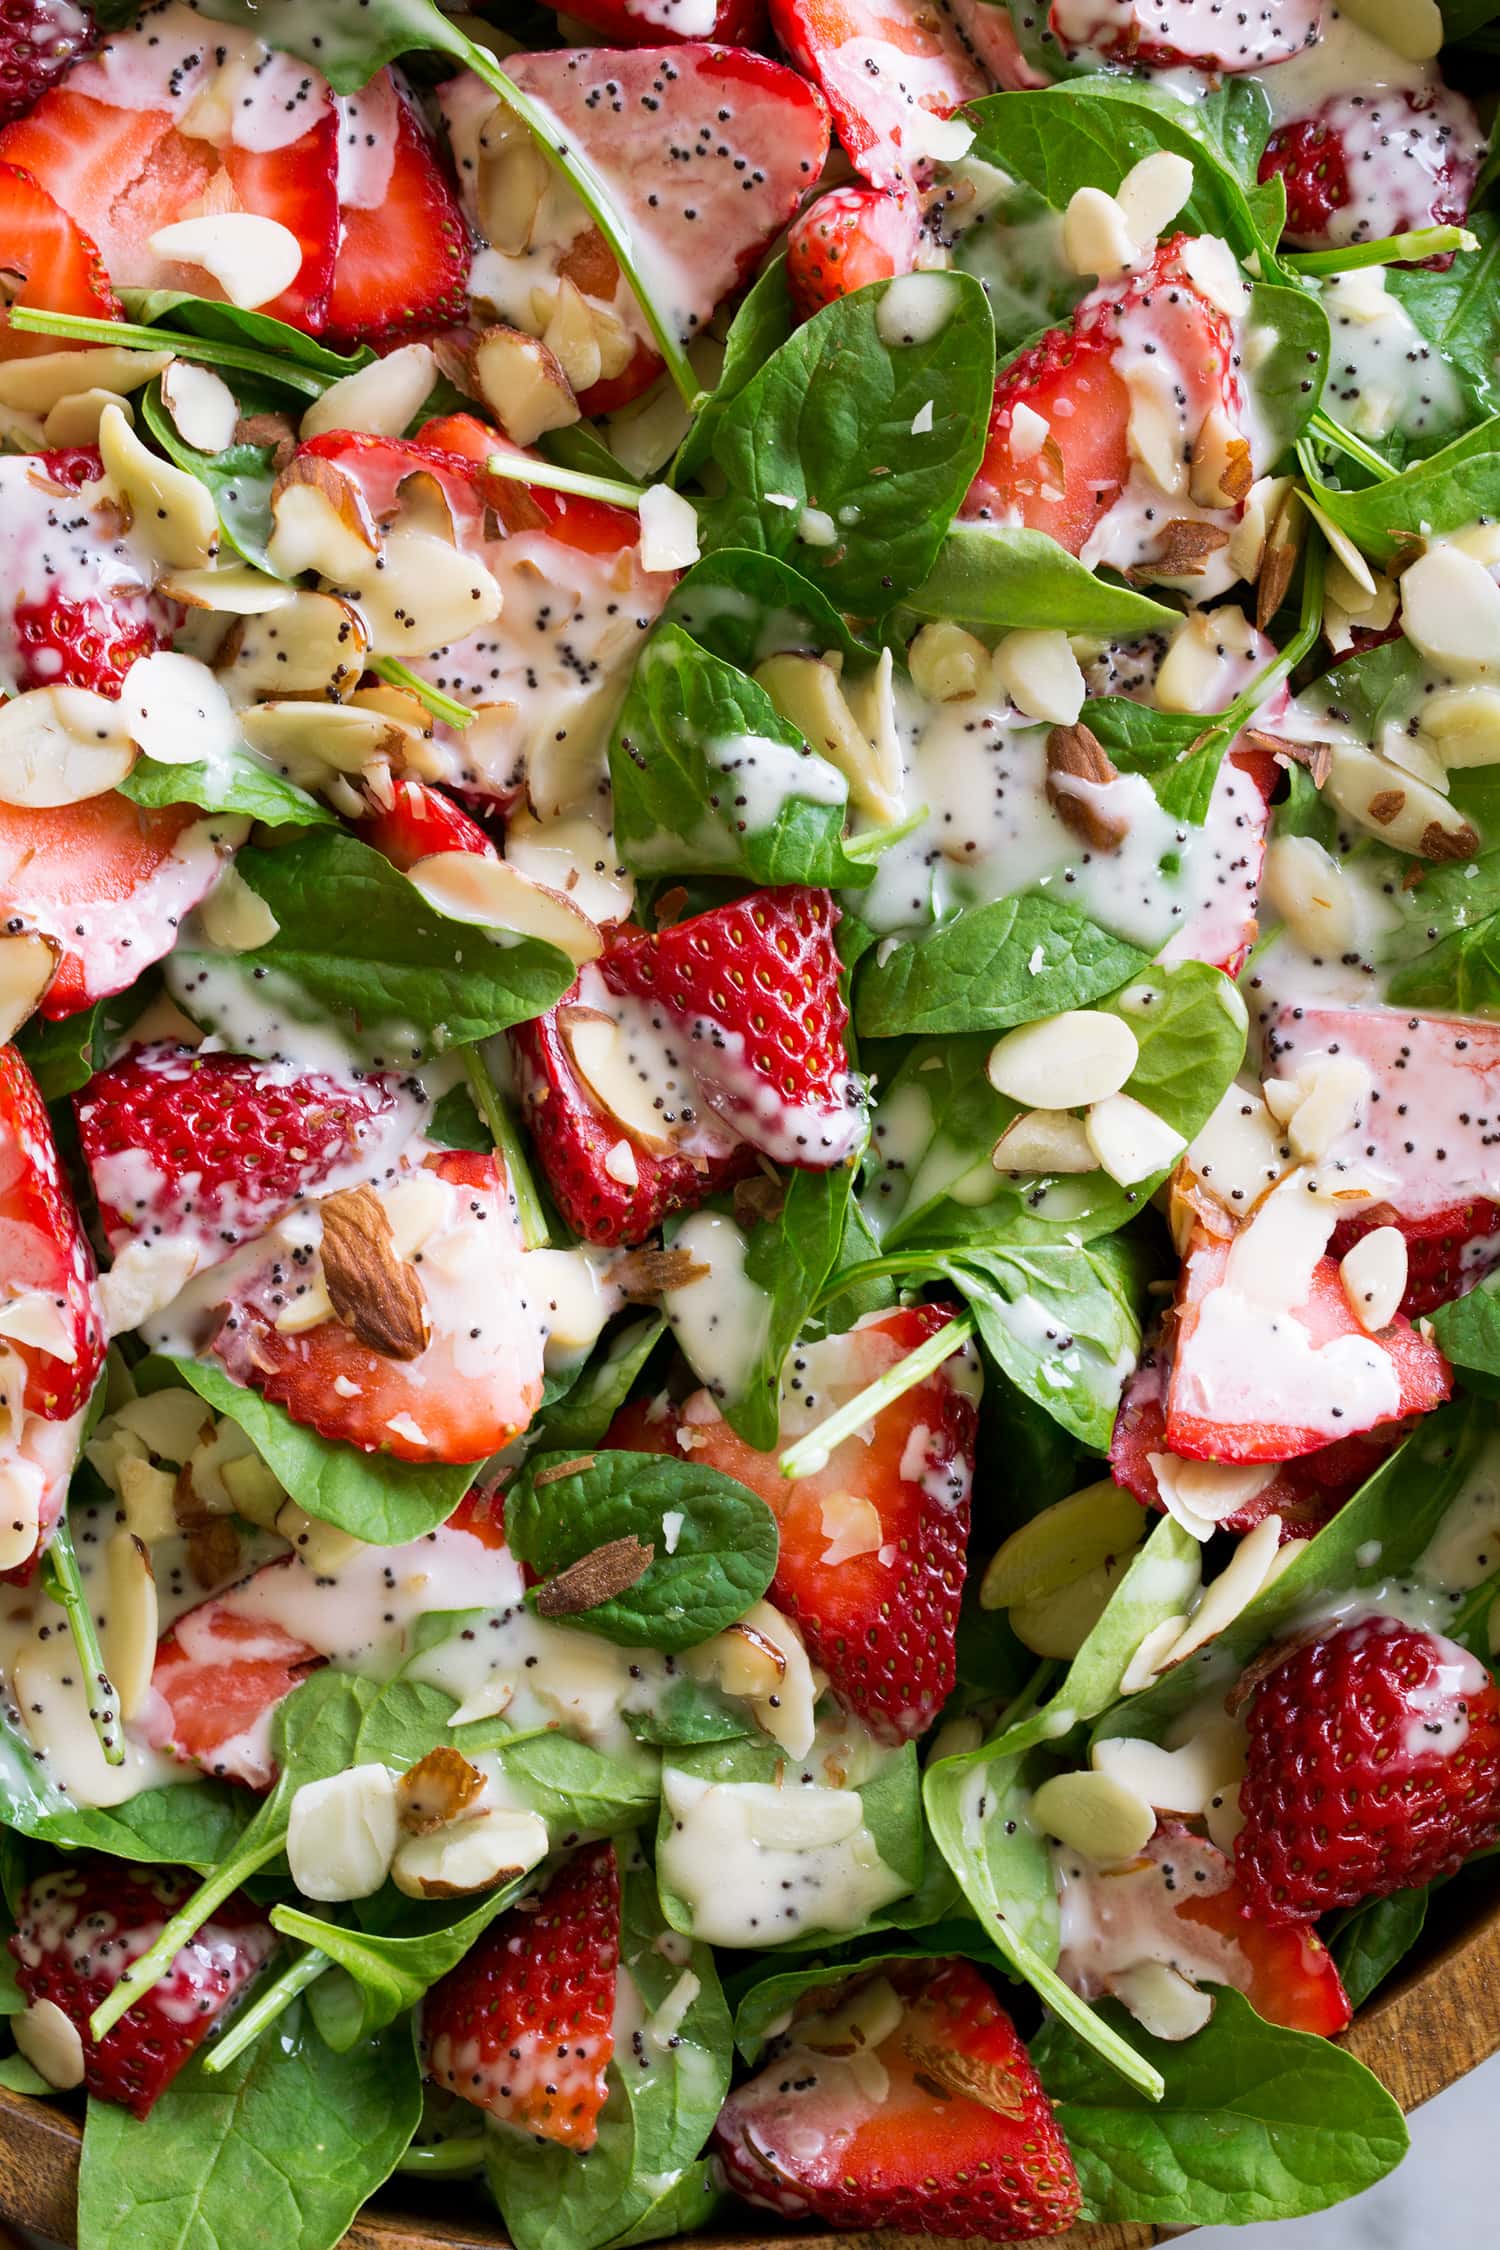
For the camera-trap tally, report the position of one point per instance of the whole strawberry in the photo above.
(77, 1931)
(38, 40)
(1374, 1766)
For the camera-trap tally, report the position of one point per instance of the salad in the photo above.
(750, 1105)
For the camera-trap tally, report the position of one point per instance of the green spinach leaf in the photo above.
(1375, 1938)
(1004, 578)
(992, 967)
(743, 605)
(390, 1974)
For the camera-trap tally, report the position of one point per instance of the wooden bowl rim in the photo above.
(1421, 2034)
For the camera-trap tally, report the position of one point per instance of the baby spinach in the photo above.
(744, 605)
(689, 1714)
(64, 1055)
(708, 779)
(240, 479)
(356, 942)
(1468, 1333)
(577, 1789)
(661, 2105)
(1451, 488)
(1289, 379)
(372, 1495)
(389, 1973)
(1004, 577)
(704, 1572)
(582, 1416)
(240, 784)
(762, 322)
(191, 1824)
(1458, 312)
(1062, 1321)
(291, 2138)
(879, 437)
(683, 2206)
(277, 342)
(1375, 1938)
(790, 1257)
(1254, 2122)
(992, 967)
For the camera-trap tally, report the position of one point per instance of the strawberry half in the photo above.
(79, 1929)
(851, 236)
(80, 605)
(43, 1249)
(421, 820)
(646, 23)
(38, 41)
(215, 1148)
(218, 1678)
(433, 1361)
(907, 2102)
(893, 72)
(62, 268)
(1371, 164)
(1374, 1766)
(881, 1615)
(524, 2026)
(1068, 484)
(403, 251)
(1201, 34)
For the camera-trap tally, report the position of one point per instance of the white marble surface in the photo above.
(1447, 2189)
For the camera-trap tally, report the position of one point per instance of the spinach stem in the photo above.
(63, 1581)
(811, 1452)
(1334, 433)
(878, 840)
(551, 476)
(446, 2159)
(397, 674)
(152, 1965)
(1389, 250)
(277, 1996)
(533, 1221)
(82, 328)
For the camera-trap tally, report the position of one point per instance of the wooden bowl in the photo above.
(1434, 2021)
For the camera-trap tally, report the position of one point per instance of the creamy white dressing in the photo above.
(721, 1320)
(755, 1863)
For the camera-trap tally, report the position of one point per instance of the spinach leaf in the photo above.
(1458, 312)
(1004, 578)
(239, 785)
(979, 1810)
(789, 1257)
(190, 1824)
(1255, 2123)
(63, 1056)
(456, 1123)
(1449, 489)
(1061, 1320)
(684, 2206)
(708, 779)
(575, 1787)
(828, 425)
(583, 1415)
(1014, 251)
(992, 967)
(1468, 1333)
(390, 1974)
(706, 1569)
(291, 2139)
(663, 2098)
(356, 942)
(371, 1495)
(210, 317)
(1289, 379)
(1375, 1938)
(761, 325)
(687, 1715)
(1175, 751)
(240, 479)
(743, 605)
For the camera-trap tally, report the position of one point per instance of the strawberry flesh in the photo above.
(43, 1247)
(218, 1678)
(1197, 34)
(892, 72)
(1367, 165)
(403, 253)
(850, 237)
(421, 820)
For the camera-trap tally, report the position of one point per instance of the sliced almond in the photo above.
(1220, 470)
(20, 1509)
(1096, 235)
(1178, 1781)
(1162, 2000)
(321, 1547)
(201, 404)
(342, 1834)
(1223, 1599)
(61, 746)
(1075, 756)
(319, 522)
(1308, 890)
(1155, 433)
(1058, 1624)
(237, 591)
(851, 1525)
(594, 1578)
(1150, 1658)
(523, 383)
(147, 1495)
(128, 1634)
(176, 712)
(75, 420)
(1130, 1140)
(1247, 541)
(1200, 1494)
(570, 336)
(599, 1053)
(468, 887)
(808, 694)
(51, 2043)
(440, 1787)
(1395, 807)
(1450, 609)
(1340, 543)
(424, 595)
(1094, 1814)
(1077, 1056)
(382, 399)
(168, 1423)
(1374, 1277)
(377, 1295)
(513, 177)
(252, 258)
(309, 740)
(314, 645)
(946, 664)
(1044, 1140)
(170, 513)
(36, 384)
(1283, 544)
(1040, 674)
(28, 963)
(1152, 193)
(1210, 265)
(1463, 725)
(1182, 551)
(743, 1661)
(477, 1855)
(1049, 1551)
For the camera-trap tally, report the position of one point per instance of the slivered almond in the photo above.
(522, 381)
(437, 1789)
(373, 1292)
(1278, 560)
(320, 522)
(1182, 550)
(643, 1274)
(949, 2072)
(1075, 753)
(595, 1578)
(1221, 472)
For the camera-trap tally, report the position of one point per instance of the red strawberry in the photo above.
(88, 644)
(589, 527)
(403, 253)
(524, 2026)
(421, 820)
(1180, 1902)
(79, 607)
(461, 1394)
(109, 884)
(1263, 1374)
(892, 70)
(79, 1929)
(1203, 34)
(850, 236)
(646, 23)
(1424, 1133)
(1306, 1493)
(218, 1147)
(1068, 484)
(43, 1247)
(1372, 164)
(945, 2130)
(1374, 1766)
(62, 267)
(881, 1620)
(218, 1678)
(38, 40)
(705, 152)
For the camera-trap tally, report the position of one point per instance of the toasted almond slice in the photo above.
(321, 1546)
(1179, 1781)
(236, 591)
(61, 746)
(176, 712)
(1044, 1140)
(28, 963)
(1396, 807)
(470, 888)
(440, 1787)
(597, 1048)
(523, 383)
(305, 737)
(1130, 1140)
(569, 334)
(1233, 1590)
(1078, 766)
(1094, 1525)
(252, 258)
(38, 384)
(201, 404)
(808, 694)
(342, 1834)
(475, 1855)
(1152, 1655)
(1307, 887)
(315, 645)
(513, 178)
(20, 1508)
(1059, 1623)
(424, 595)
(1463, 725)
(382, 399)
(320, 522)
(1094, 1814)
(171, 513)
(51, 2043)
(75, 420)
(148, 1496)
(1077, 1056)
(669, 529)
(129, 1631)
(1162, 2000)
(168, 1423)
(946, 664)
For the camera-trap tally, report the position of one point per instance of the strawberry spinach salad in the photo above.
(748, 958)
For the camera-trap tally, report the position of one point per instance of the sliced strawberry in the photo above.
(38, 41)
(524, 2026)
(1268, 1359)
(109, 883)
(1199, 34)
(85, 644)
(1378, 163)
(880, 1618)
(421, 820)
(893, 71)
(62, 268)
(1180, 1902)
(1305, 1494)
(589, 527)
(1068, 484)
(1423, 1135)
(79, 603)
(78, 1930)
(39, 1459)
(945, 2131)
(705, 152)
(848, 238)
(382, 468)
(218, 1677)
(646, 23)
(403, 253)
(43, 1249)
(215, 1148)
(460, 1396)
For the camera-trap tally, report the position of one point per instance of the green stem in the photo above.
(810, 1453)
(550, 476)
(64, 1583)
(397, 674)
(81, 328)
(1390, 250)
(503, 1132)
(268, 2005)
(1334, 433)
(152, 1965)
(878, 840)
(445, 2159)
